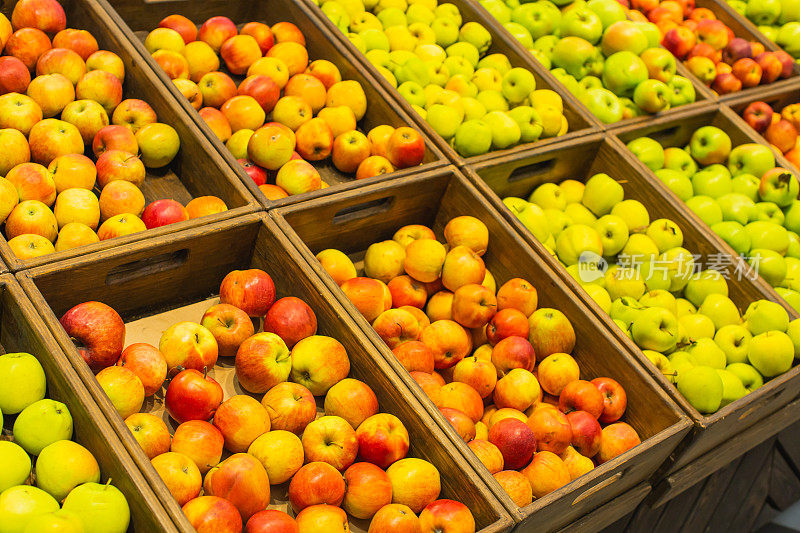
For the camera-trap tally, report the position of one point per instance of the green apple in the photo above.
(792, 279)
(768, 264)
(102, 508)
(599, 295)
(665, 234)
(735, 207)
(433, 54)
(734, 340)
(20, 504)
(580, 214)
(498, 9)
(681, 362)
(633, 213)
(476, 35)
(474, 110)
(685, 307)
(358, 42)
(706, 208)
(710, 145)
(660, 298)
(577, 240)
(623, 281)
(794, 333)
(57, 522)
(613, 233)
(655, 329)
(602, 193)
(499, 62)
(732, 387)
(734, 234)
(15, 465)
(421, 13)
(768, 235)
(380, 58)
(23, 382)
(790, 12)
(547, 43)
(548, 196)
(445, 30)
(648, 151)
(770, 212)
(623, 71)
(679, 265)
(488, 79)
(661, 64)
(625, 310)
(588, 272)
(794, 246)
(697, 326)
(660, 361)
(681, 91)
(703, 284)
(337, 14)
(655, 276)
(780, 187)
(652, 33)
(591, 82)
(558, 221)
(374, 40)
(473, 137)
(792, 217)
(639, 248)
(386, 73)
(537, 18)
(462, 85)
(531, 216)
(788, 38)
(572, 189)
(677, 182)
(493, 101)
(444, 120)
(364, 21)
(432, 94)
(392, 16)
(413, 92)
(750, 158)
(748, 375)
(576, 56)
(712, 184)
(746, 184)
(518, 83)
(771, 353)
(652, 96)
(581, 22)
(505, 131)
(413, 69)
(529, 122)
(629, 108)
(448, 11)
(609, 11)
(706, 352)
(464, 49)
(41, 424)
(721, 310)
(702, 387)
(679, 159)
(62, 466)
(762, 316)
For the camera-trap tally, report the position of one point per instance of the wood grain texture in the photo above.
(137, 18)
(352, 222)
(22, 330)
(167, 273)
(197, 170)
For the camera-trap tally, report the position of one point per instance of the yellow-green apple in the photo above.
(271, 67)
(86, 115)
(405, 148)
(771, 353)
(338, 266)
(158, 143)
(107, 62)
(51, 138)
(22, 505)
(382, 440)
(147, 363)
(379, 139)
(241, 419)
(73, 235)
(77, 205)
(271, 146)
(473, 305)
(309, 88)
(123, 388)
(551, 429)
(368, 489)
(298, 176)
(518, 389)
(19, 112)
(332, 440)
(14, 75)
(95, 503)
(200, 441)
(479, 374)
(251, 290)
(230, 326)
(507, 323)
(281, 454)
(99, 346)
(351, 400)
(31, 217)
(546, 473)
(550, 332)
(447, 514)
(172, 63)
(45, 15)
(192, 395)
(216, 88)
(290, 406)
(318, 363)
(581, 395)
(33, 181)
(242, 480)
(262, 361)
(292, 112)
(462, 424)
(408, 234)
(556, 371)
(516, 486)
(150, 432)
(519, 294)
(201, 59)
(515, 440)
(164, 39)
(116, 165)
(271, 521)
(120, 197)
(102, 87)
(448, 341)
(395, 518)
(415, 483)
(212, 513)
(617, 439)
(615, 400)
(185, 27)
(350, 149)
(577, 464)
(370, 296)
(263, 89)
(61, 61)
(407, 291)
(163, 212)
(27, 44)
(586, 432)
(120, 225)
(384, 260)
(216, 30)
(462, 397)
(316, 483)
(188, 345)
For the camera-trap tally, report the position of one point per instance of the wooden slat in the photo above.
(784, 487)
(197, 170)
(162, 274)
(352, 222)
(611, 513)
(713, 489)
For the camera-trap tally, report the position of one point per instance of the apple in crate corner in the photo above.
(163, 212)
(98, 331)
(191, 395)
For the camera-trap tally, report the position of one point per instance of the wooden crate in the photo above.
(611, 512)
(197, 170)
(136, 18)
(705, 97)
(581, 121)
(22, 330)
(520, 177)
(167, 273)
(351, 223)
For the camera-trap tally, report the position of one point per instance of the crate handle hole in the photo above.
(526, 171)
(363, 210)
(147, 267)
(762, 402)
(596, 488)
(664, 134)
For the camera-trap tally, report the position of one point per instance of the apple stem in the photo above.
(205, 372)
(108, 483)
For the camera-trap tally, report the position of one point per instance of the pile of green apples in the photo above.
(638, 272)
(614, 66)
(474, 99)
(47, 481)
(778, 20)
(740, 193)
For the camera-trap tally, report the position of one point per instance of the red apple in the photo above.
(473, 305)
(291, 319)
(330, 439)
(352, 400)
(114, 137)
(367, 490)
(726, 83)
(242, 480)
(200, 441)
(617, 439)
(192, 396)
(263, 89)
(14, 75)
(261, 33)
(782, 134)
(27, 45)
(322, 518)
(188, 345)
(256, 173)
(262, 361)
(98, 331)
(241, 419)
(747, 71)
(786, 60)
(771, 66)
(179, 474)
(163, 212)
(447, 515)
(150, 432)
(185, 27)
(45, 15)
(581, 395)
(614, 399)
(290, 406)
(551, 428)
(758, 115)
(271, 521)
(252, 291)
(316, 483)
(212, 514)
(550, 332)
(395, 518)
(79, 41)
(147, 362)
(515, 440)
(382, 440)
(586, 433)
(511, 353)
(229, 325)
(414, 355)
(462, 424)
(406, 148)
(215, 31)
